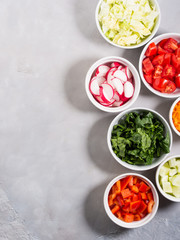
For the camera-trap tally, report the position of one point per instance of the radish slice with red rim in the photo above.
(121, 75)
(106, 92)
(102, 71)
(118, 85)
(118, 103)
(128, 73)
(116, 96)
(128, 89)
(115, 64)
(94, 87)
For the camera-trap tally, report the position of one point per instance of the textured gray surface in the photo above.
(54, 161)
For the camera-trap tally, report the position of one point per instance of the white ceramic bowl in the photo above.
(157, 23)
(134, 224)
(168, 196)
(156, 40)
(108, 60)
(156, 161)
(170, 116)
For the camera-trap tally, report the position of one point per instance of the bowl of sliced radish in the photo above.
(131, 200)
(112, 84)
(168, 178)
(139, 138)
(159, 65)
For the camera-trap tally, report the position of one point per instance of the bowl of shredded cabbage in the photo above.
(128, 24)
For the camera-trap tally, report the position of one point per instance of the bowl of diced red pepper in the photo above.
(159, 65)
(131, 200)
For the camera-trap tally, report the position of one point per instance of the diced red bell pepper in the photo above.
(137, 217)
(134, 206)
(143, 187)
(150, 206)
(120, 200)
(125, 182)
(115, 209)
(129, 217)
(142, 207)
(126, 193)
(135, 189)
(150, 196)
(147, 66)
(126, 208)
(119, 215)
(144, 196)
(135, 180)
(135, 197)
(131, 182)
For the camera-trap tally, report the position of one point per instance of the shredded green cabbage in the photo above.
(127, 22)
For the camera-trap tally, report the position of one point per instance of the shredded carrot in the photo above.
(176, 116)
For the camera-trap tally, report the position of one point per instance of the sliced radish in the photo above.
(100, 80)
(118, 85)
(109, 104)
(118, 103)
(123, 98)
(102, 71)
(99, 99)
(106, 92)
(121, 75)
(94, 87)
(115, 64)
(128, 73)
(128, 89)
(120, 67)
(116, 96)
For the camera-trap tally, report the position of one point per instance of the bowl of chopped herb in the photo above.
(139, 138)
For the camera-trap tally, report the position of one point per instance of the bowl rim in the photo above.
(170, 116)
(167, 196)
(136, 77)
(134, 224)
(155, 29)
(136, 167)
(161, 36)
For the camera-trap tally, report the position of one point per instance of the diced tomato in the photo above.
(129, 217)
(148, 78)
(158, 60)
(134, 206)
(177, 52)
(150, 206)
(144, 196)
(151, 50)
(171, 45)
(126, 193)
(170, 87)
(143, 187)
(169, 71)
(150, 196)
(115, 209)
(142, 207)
(175, 61)
(161, 50)
(177, 81)
(147, 66)
(157, 71)
(167, 59)
(125, 182)
(160, 84)
(135, 189)
(162, 42)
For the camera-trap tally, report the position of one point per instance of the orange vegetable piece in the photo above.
(176, 116)
(137, 217)
(115, 209)
(118, 185)
(150, 206)
(126, 193)
(119, 215)
(110, 200)
(135, 197)
(144, 196)
(135, 180)
(150, 196)
(135, 189)
(129, 217)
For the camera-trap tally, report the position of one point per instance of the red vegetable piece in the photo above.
(151, 50)
(158, 72)
(169, 71)
(142, 207)
(135, 197)
(147, 66)
(175, 61)
(171, 45)
(115, 209)
(150, 196)
(169, 87)
(177, 81)
(120, 200)
(143, 187)
(135, 189)
(134, 206)
(167, 59)
(158, 60)
(150, 206)
(144, 196)
(177, 52)
(126, 193)
(137, 217)
(129, 217)
(148, 78)
(125, 181)
(161, 50)
(162, 42)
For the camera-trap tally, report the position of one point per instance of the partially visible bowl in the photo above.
(156, 161)
(170, 116)
(166, 195)
(144, 41)
(107, 61)
(156, 40)
(134, 224)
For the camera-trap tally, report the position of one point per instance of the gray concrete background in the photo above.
(54, 160)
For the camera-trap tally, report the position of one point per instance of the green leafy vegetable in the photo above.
(127, 22)
(139, 138)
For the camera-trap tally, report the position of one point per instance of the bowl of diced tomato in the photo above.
(159, 65)
(131, 200)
